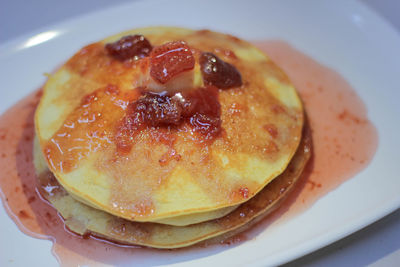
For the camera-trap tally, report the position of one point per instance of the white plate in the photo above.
(343, 35)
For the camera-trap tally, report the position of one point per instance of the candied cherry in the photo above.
(219, 73)
(130, 46)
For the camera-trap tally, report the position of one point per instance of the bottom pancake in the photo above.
(83, 219)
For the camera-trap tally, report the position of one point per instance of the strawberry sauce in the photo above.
(344, 143)
(344, 140)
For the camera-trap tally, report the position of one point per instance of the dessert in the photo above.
(165, 137)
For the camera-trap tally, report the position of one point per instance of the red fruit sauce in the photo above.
(344, 143)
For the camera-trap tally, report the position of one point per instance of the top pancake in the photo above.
(168, 172)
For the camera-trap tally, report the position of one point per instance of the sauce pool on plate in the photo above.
(344, 140)
(344, 143)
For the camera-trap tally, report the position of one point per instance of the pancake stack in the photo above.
(165, 137)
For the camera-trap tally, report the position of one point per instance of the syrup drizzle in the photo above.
(344, 143)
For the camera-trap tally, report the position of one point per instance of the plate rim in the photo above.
(9, 44)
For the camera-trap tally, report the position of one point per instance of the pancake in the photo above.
(84, 219)
(193, 218)
(174, 171)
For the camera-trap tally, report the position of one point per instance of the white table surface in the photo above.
(376, 245)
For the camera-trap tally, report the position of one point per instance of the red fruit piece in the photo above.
(129, 46)
(156, 110)
(169, 60)
(219, 73)
(203, 110)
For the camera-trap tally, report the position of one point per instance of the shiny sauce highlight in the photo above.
(344, 143)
